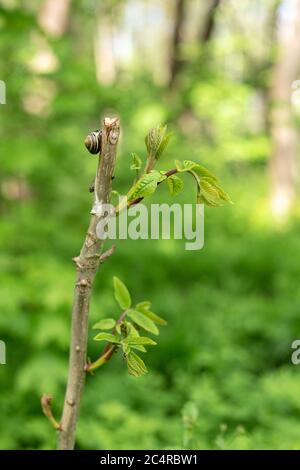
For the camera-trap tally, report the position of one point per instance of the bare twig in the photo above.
(87, 264)
(104, 256)
(46, 401)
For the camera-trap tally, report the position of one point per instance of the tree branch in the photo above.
(87, 264)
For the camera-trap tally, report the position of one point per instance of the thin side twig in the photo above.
(46, 402)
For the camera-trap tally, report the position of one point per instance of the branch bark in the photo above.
(87, 264)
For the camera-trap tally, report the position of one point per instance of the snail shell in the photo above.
(93, 141)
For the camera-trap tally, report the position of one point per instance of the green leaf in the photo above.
(107, 337)
(164, 143)
(132, 332)
(127, 329)
(126, 348)
(122, 295)
(209, 189)
(145, 304)
(188, 165)
(210, 193)
(203, 172)
(175, 185)
(222, 194)
(151, 315)
(136, 366)
(139, 340)
(146, 185)
(136, 162)
(144, 322)
(105, 324)
(157, 140)
(138, 347)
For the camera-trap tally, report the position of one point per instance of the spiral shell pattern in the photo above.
(93, 142)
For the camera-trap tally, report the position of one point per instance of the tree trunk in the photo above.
(175, 53)
(206, 28)
(283, 132)
(209, 22)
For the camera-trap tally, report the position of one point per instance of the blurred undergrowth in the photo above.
(232, 308)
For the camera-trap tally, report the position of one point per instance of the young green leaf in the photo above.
(131, 331)
(138, 347)
(188, 165)
(105, 324)
(203, 172)
(157, 140)
(107, 337)
(222, 194)
(144, 322)
(209, 191)
(139, 340)
(136, 366)
(126, 349)
(151, 315)
(122, 295)
(164, 143)
(145, 304)
(146, 185)
(175, 185)
(136, 162)
(127, 329)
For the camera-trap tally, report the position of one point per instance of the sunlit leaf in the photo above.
(151, 315)
(144, 304)
(107, 337)
(138, 347)
(105, 324)
(209, 190)
(136, 366)
(146, 185)
(175, 185)
(188, 165)
(122, 295)
(157, 140)
(144, 322)
(136, 162)
(139, 340)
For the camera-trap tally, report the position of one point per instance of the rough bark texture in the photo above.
(87, 264)
(283, 132)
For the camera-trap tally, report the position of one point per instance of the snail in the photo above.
(93, 141)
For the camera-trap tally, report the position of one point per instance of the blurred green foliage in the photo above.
(221, 376)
